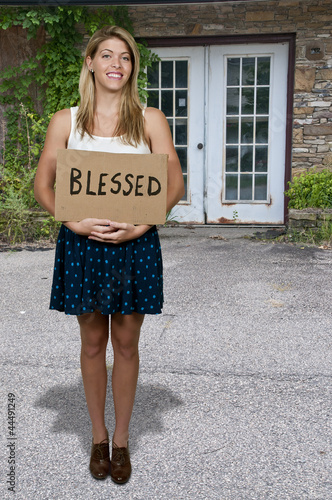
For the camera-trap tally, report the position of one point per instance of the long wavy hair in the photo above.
(130, 124)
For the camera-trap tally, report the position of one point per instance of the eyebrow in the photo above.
(109, 50)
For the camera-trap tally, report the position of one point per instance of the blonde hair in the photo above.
(130, 124)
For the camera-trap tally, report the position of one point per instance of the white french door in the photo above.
(176, 86)
(226, 106)
(246, 133)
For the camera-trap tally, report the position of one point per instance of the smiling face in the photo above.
(112, 64)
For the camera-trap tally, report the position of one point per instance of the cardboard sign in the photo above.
(121, 187)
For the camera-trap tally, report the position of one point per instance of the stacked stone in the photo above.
(308, 17)
(310, 218)
(312, 138)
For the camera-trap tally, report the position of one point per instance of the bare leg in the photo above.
(94, 336)
(125, 332)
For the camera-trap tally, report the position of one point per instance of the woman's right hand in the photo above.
(86, 226)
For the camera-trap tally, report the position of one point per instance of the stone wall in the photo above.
(310, 218)
(311, 20)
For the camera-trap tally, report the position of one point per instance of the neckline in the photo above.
(107, 137)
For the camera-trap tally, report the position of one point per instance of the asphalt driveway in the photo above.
(234, 393)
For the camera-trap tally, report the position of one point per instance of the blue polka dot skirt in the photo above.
(90, 276)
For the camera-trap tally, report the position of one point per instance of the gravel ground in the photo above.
(234, 393)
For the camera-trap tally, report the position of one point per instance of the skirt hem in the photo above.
(105, 313)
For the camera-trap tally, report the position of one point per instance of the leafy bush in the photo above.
(312, 190)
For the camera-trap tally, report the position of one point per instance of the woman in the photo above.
(102, 267)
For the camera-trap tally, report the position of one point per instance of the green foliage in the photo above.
(311, 190)
(53, 76)
(57, 65)
(19, 163)
(18, 224)
(147, 58)
(13, 216)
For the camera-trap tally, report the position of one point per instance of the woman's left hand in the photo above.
(121, 233)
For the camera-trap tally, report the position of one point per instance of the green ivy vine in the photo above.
(52, 75)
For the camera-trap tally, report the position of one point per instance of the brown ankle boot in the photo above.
(100, 459)
(120, 464)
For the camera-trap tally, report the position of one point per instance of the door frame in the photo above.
(289, 38)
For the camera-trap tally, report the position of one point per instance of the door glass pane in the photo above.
(167, 74)
(262, 101)
(181, 102)
(248, 101)
(185, 180)
(247, 133)
(182, 154)
(180, 132)
(262, 130)
(260, 187)
(246, 158)
(232, 156)
(261, 159)
(247, 130)
(246, 187)
(232, 101)
(167, 102)
(248, 71)
(153, 99)
(233, 71)
(232, 130)
(263, 70)
(153, 76)
(231, 187)
(181, 74)
(165, 78)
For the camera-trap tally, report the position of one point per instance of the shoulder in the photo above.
(155, 121)
(61, 122)
(157, 132)
(62, 117)
(58, 130)
(154, 114)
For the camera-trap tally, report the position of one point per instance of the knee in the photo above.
(126, 350)
(94, 346)
(125, 333)
(92, 351)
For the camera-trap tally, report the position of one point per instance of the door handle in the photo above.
(200, 145)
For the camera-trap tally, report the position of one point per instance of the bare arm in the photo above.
(56, 138)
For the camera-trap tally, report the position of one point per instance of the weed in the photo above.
(170, 219)
(316, 236)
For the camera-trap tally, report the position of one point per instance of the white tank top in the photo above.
(97, 143)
